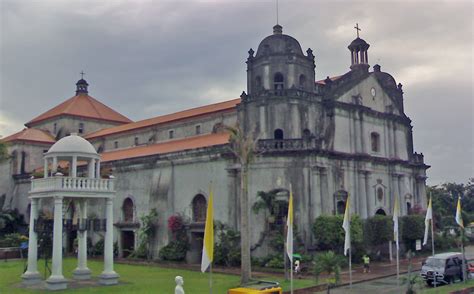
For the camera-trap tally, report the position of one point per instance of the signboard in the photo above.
(418, 244)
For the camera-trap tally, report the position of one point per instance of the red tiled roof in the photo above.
(166, 147)
(83, 106)
(322, 82)
(193, 112)
(31, 135)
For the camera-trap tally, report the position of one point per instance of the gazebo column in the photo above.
(54, 168)
(57, 281)
(32, 276)
(97, 169)
(90, 167)
(82, 272)
(109, 276)
(45, 168)
(74, 167)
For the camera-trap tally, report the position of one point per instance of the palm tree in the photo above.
(243, 148)
(330, 263)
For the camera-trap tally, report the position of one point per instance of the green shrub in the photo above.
(329, 234)
(412, 229)
(227, 248)
(174, 251)
(13, 240)
(378, 230)
(276, 261)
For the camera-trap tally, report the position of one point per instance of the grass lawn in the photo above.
(135, 279)
(449, 288)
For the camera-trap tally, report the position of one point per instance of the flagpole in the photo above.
(210, 279)
(463, 256)
(398, 266)
(432, 232)
(350, 266)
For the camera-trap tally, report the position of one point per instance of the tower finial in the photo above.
(82, 74)
(357, 29)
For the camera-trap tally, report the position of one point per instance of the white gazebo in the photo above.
(72, 149)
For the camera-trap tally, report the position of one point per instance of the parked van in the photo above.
(444, 268)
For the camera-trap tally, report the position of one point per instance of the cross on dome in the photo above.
(357, 29)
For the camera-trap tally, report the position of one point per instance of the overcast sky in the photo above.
(148, 58)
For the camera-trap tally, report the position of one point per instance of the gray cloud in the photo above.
(147, 58)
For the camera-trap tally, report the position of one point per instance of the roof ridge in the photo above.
(156, 119)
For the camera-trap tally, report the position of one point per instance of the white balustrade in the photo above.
(72, 184)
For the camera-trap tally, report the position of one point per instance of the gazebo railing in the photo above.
(72, 184)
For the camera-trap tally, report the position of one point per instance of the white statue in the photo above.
(179, 285)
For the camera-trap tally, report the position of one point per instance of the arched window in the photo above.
(340, 198)
(408, 208)
(302, 81)
(341, 207)
(258, 82)
(127, 209)
(380, 211)
(199, 208)
(14, 157)
(278, 134)
(375, 141)
(278, 81)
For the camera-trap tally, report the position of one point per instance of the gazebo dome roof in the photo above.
(73, 144)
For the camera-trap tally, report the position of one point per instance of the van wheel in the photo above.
(429, 283)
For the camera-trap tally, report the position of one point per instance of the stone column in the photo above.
(82, 272)
(45, 168)
(90, 167)
(74, 167)
(295, 121)
(363, 195)
(370, 197)
(54, 168)
(57, 281)
(109, 276)
(263, 121)
(32, 276)
(316, 191)
(97, 169)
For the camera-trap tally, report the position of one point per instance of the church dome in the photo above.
(358, 43)
(278, 43)
(73, 144)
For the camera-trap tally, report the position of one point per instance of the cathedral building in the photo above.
(345, 135)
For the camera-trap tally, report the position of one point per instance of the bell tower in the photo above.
(280, 81)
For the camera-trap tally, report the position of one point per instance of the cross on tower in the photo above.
(357, 29)
(82, 74)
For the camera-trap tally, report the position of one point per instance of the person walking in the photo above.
(366, 260)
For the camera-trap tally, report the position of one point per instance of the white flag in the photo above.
(346, 225)
(289, 225)
(428, 218)
(396, 213)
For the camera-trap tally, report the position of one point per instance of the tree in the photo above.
(243, 148)
(3, 152)
(329, 262)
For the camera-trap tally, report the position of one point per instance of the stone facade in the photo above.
(344, 135)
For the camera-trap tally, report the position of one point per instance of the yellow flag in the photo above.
(208, 244)
(396, 214)
(346, 225)
(459, 214)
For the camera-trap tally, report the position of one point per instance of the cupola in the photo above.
(359, 56)
(81, 87)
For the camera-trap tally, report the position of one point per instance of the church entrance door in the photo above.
(128, 243)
